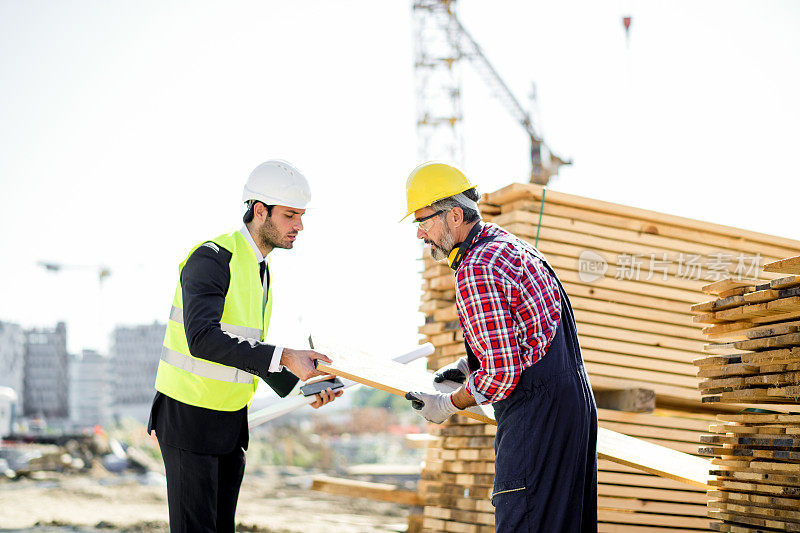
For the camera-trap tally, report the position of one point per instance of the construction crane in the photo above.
(103, 272)
(442, 43)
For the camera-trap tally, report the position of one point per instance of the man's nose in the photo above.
(420, 234)
(299, 225)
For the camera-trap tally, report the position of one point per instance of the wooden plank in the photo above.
(653, 519)
(620, 345)
(738, 291)
(772, 330)
(703, 307)
(785, 283)
(622, 295)
(567, 271)
(763, 343)
(639, 362)
(647, 493)
(640, 375)
(640, 505)
(632, 325)
(399, 379)
(728, 303)
(600, 304)
(679, 420)
(728, 331)
(728, 284)
(761, 296)
(363, 489)
(790, 265)
(394, 378)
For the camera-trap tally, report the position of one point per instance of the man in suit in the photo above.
(214, 353)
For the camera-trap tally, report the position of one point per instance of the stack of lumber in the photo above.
(757, 454)
(760, 363)
(758, 476)
(633, 320)
(457, 480)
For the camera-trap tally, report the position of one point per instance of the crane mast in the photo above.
(437, 67)
(442, 43)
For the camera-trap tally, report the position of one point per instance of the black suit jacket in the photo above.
(204, 281)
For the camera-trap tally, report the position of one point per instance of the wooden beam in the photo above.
(790, 265)
(398, 379)
(364, 489)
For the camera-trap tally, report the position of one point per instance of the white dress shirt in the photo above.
(275, 364)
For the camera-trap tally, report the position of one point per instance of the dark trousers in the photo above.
(202, 489)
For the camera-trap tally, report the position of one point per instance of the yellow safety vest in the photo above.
(192, 379)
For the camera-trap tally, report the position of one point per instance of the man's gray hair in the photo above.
(467, 201)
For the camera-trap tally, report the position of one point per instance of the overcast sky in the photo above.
(127, 130)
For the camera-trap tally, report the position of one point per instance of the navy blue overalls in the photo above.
(546, 444)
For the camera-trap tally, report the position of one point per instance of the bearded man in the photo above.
(523, 358)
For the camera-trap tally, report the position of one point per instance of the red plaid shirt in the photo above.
(509, 308)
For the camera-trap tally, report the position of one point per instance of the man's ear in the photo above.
(260, 211)
(458, 216)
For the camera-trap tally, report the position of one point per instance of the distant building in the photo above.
(135, 352)
(12, 358)
(89, 389)
(46, 374)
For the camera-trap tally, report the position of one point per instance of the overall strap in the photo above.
(567, 316)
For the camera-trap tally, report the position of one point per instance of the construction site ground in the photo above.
(272, 500)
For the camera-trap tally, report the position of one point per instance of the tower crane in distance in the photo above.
(103, 272)
(437, 23)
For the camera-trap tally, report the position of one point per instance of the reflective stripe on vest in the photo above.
(193, 380)
(203, 368)
(176, 314)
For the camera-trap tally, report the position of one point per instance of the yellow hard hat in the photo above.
(433, 181)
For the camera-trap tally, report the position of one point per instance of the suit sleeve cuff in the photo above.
(275, 364)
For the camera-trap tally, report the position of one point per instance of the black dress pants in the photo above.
(202, 490)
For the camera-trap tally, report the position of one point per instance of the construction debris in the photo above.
(26, 455)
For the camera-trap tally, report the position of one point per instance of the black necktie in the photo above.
(262, 267)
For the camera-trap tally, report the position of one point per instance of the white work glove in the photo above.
(456, 372)
(436, 407)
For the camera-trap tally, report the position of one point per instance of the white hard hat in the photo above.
(277, 182)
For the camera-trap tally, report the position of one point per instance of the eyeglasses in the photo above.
(425, 223)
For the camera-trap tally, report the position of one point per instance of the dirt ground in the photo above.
(271, 501)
